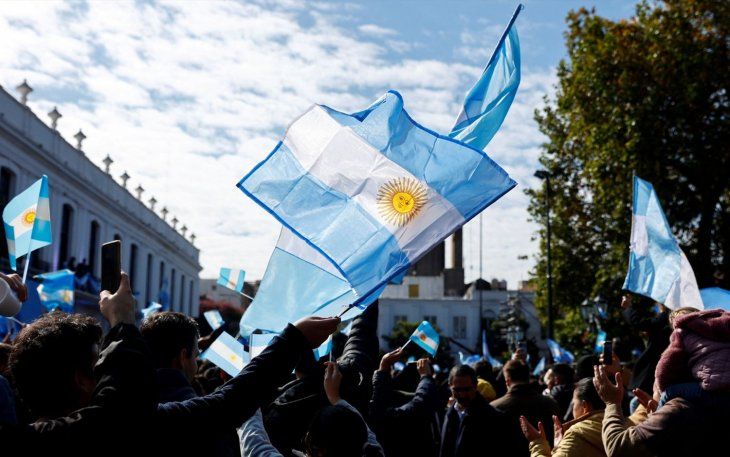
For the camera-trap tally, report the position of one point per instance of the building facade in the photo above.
(89, 207)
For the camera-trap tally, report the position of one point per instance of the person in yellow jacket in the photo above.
(580, 437)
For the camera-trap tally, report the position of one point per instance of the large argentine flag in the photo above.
(372, 192)
(657, 266)
(27, 219)
(487, 103)
(426, 337)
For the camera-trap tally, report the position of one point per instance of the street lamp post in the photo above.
(543, 174)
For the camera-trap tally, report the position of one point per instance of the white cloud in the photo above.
(188, 96)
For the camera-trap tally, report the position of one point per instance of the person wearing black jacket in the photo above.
(472, 427)
(411, 428)
(122, 403)
(288, 417)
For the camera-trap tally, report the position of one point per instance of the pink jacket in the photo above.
(700, 347)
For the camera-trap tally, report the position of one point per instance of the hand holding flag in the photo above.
(426, 337)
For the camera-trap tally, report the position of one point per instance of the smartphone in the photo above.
(111, 265)
(607, 353)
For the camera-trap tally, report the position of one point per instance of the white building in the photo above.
(89, 207)
(421, 298)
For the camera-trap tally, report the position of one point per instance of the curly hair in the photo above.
(46, 357)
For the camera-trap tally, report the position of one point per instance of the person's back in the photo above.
(524, 399)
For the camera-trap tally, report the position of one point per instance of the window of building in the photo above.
(162, 275)
(133, 267)
(430, 319)
(182, 295)
(93, 246)
(412, 290)
(148, 281)
(172, 290)
(7, 188)
(190, 297)
(399, 318)
(459, 329)
(67, 215)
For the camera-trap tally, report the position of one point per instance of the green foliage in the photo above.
(647, 95)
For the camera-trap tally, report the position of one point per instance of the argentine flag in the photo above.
(27, 219)
(559, 354)
(214, 319)
(426, 337)
(150, 310)
(539, 367)
(56, 290)
(657, 266)
(487, 103)
(372, 192)
(227, 354)
(232, 279)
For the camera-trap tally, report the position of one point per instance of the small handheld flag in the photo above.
(150, 310)
(227, 354)
(559, 354)
(426, 337)
(214, 319)
(231, 278)
(27, 219)
(56, 290)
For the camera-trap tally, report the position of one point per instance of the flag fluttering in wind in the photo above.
(540, 367)
(214, 319)
(657, 266)
(559, 354)
(426, 337)
(232, 279)
(485, 352)
(227, 354)
(371, 192)
(27, 219)
(56, 290)
(487, 103)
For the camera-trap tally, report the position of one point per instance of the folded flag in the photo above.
(373, 191)
(27, 219)
(56, 290)
(600, 339)
(426, 337)
(487, 103)
(150, 310)
(214, 319)
(539, 368)
(559, 354)
(657, 266)
(233, 279)
(227, 354)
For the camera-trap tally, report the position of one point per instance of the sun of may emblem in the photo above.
(29, 217)
(400, 200)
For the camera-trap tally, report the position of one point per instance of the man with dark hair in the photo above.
(562, 389)
(472, 426)
(173, 341)
(56, 356)
(523, 399)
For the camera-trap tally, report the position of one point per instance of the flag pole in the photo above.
(519, 8)
(27, 263)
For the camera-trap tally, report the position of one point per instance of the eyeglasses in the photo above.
(462, 389)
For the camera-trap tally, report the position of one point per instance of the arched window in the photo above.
(7, 188)
(190, 297)
(67, 216)
(172, 290)
(148, 281)
(93, 246)
(182, 295)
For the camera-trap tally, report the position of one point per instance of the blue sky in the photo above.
(188, 96)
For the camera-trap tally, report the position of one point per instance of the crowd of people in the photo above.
(68, 389)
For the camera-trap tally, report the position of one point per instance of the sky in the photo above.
(187, 97)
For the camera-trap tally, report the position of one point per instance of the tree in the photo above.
(647, 95)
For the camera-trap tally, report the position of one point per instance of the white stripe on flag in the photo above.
(227, 353)
(345, 162)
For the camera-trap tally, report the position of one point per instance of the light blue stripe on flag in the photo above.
(375, 193)
(559, 354)
(487, 103)
(150, 310)
(657, 266)
(426, 337)
(227, 354)
(539, 367)
(27, 221)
